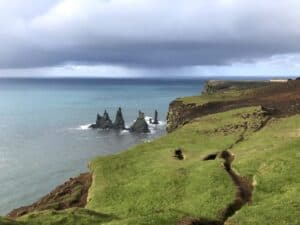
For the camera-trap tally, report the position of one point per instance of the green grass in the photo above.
(204, 98)
(147, 185)
(235, 92)
(272, 157)
(74, 216)
(4, 221)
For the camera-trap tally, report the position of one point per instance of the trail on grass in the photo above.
(244, 185)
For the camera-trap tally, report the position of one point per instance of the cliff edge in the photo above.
(283, 98)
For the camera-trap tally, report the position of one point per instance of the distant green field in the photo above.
(232, 92)
(147, 185)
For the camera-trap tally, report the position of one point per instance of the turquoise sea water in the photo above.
(44, 138)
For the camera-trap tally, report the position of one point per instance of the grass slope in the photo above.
(272, 157)
(147, 185)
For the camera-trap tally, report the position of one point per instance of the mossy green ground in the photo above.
(147, 185)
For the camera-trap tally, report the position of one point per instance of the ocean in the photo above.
(44, 135)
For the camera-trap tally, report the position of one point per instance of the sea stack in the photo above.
(155, 117)
(140, 125)
(103, 122)
(119, 121)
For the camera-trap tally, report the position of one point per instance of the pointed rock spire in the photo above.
(119, 121)
(106, 121)
(155, 117)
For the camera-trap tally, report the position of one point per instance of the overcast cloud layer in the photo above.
(143, 34)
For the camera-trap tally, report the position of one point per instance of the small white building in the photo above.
(279, 80)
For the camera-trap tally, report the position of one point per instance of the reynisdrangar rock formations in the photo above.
(139, 126)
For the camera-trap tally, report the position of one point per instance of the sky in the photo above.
(149, 38)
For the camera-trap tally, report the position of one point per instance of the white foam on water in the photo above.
(122, 132)
(147, 118)
(160, 122)
(84, 127)
(153, 127)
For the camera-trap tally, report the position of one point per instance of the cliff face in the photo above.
(283, 99)
(179, 114)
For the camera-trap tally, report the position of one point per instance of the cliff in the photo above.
(220, 96)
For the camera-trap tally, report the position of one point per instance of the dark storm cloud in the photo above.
(147, 33)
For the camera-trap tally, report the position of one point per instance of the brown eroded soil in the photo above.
(73, 193)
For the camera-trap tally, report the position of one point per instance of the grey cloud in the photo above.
(149, 33)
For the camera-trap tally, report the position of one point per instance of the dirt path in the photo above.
(244, 185)
(243, 194)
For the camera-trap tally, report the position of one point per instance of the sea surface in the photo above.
(44, 135)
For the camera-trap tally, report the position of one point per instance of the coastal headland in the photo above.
(231, 156)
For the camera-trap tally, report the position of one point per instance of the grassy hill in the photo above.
(148, 185)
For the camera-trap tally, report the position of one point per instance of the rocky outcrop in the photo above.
(119, 121)
(179, 114)
(103, 122)
(140, 125)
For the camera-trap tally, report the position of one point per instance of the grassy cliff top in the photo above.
(221, 91)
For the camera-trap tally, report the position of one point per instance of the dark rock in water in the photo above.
(99, 118)
(97, 124)
(93, 126)
(119, 121)
(156, 117)
(140, 125)
(103, 122)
